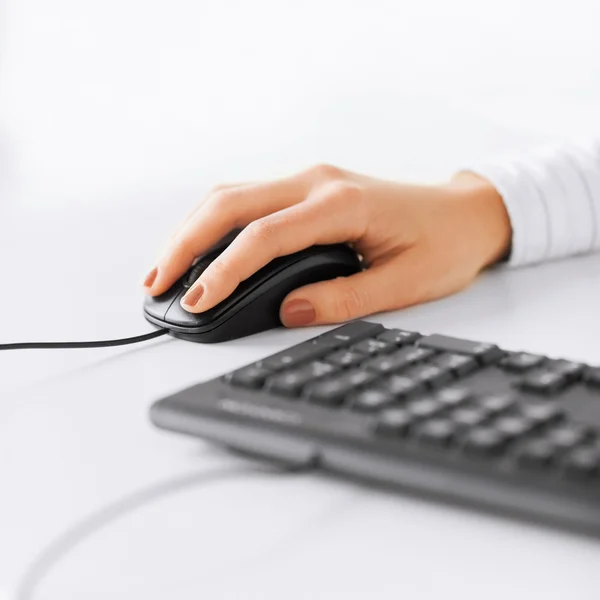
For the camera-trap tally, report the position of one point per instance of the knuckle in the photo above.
(221, 270)
(180, 246)
(349, 302)
(348, 198)
(325, 171)
(345, 192)
(215, 189)
(263, 231)
(223, 199)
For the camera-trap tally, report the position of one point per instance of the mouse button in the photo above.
(155, 309)
(177, 315)
(157, 306)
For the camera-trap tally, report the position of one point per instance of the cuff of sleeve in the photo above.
(526, 210)
(552, 196)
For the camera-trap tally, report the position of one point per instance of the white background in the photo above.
(115, 118)
(100, 99)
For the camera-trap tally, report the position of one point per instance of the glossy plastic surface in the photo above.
(254, 305)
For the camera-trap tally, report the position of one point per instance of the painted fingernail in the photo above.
(149, 279)
(297, 313)
(194, 295)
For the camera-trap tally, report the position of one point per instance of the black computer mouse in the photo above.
(254, 305)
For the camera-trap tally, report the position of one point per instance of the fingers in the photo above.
(392, 285)
(215, 190)
(329, 215)
(192, 213)
(225, 210)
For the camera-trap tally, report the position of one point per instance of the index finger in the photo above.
(331, 214)
(226, 210)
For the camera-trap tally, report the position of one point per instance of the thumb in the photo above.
(384, 287)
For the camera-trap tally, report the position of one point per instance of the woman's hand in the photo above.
(419, 242)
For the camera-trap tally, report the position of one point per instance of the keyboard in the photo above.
(450, 419)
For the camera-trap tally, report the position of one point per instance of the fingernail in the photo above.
(194, 295)
(149, 279)
(297, 313)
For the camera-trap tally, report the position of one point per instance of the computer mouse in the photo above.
(254, 305)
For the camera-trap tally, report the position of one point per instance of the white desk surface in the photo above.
(115, 120)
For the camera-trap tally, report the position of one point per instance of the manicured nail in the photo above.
(149, 279)
(297, 313)
(194, 295)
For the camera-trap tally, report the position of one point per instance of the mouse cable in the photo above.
(98, 344)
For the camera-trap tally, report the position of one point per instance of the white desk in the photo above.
(108, 138)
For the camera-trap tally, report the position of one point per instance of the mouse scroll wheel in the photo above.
(195, 272)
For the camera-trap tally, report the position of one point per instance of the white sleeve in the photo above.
(552, 196)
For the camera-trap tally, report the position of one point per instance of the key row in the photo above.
(503, 412)
(415, 369)
(555, 445)
(409, 370)
(369, 346)
(357, 342)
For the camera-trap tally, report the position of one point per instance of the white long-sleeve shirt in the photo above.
(552, 196)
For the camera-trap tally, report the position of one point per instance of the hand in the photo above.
(419, 242)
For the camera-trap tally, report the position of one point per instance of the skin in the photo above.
(420, 242)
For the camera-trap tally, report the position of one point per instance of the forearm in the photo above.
(552, 197)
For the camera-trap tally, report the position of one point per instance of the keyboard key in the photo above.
(348, 334)
(358, 377)
(582, 463)
(329, 392)
(293, 356)
(290, 383)
(466, 417)
(287, 384)
(536, 454)
(484, 353)
(567, 435)
(572, 371)
(401, 387)
(414, 354)
(543, 382)
(459, 364)
(345, 358)
(592, 376)
(394, 421)
(513, 426)
(453, 396)
(423, 408)
(398, 360)
(399, 337)
(430, 375)
(333, 390)
(385, 364)
(541, 414)
(496, 403)
(252, 376)
(371, 346)
(437, 431)
(485, 441)
(522, 361)
(371, 400)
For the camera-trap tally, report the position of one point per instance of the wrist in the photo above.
(489, 214)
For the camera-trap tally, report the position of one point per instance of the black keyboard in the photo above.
(462, 421)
